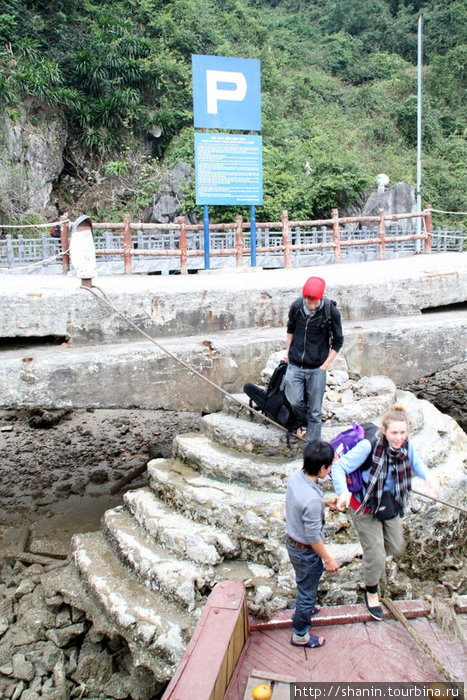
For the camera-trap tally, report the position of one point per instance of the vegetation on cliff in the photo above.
(339, 85)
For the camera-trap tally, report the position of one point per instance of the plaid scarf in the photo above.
(385, 456)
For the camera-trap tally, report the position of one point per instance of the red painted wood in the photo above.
(373, 651)
(341, 615)
(203, 657)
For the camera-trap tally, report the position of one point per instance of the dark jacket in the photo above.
(313, 336)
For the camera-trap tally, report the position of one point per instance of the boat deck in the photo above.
(230, 653)
(358, 651)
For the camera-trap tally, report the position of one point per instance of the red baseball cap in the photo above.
(314, 287)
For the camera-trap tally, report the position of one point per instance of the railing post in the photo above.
(126, 245)
(382, 235)
(239, 240)
(336, 235)
(286, 238)
(428, 227)
(182, 246)
(10, 253)
(65, 243)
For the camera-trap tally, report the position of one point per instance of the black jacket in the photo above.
(314, 336)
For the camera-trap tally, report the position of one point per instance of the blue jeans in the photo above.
(304, 389)
(308, 568)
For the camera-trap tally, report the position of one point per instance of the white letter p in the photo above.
(213, 78)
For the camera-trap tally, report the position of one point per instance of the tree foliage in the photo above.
(338, 87)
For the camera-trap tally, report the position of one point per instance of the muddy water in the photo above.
(61, 470)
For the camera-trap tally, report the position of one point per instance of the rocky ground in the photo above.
(70, 461)
(61, 470)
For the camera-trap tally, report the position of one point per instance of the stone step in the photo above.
(255, 518)
(249, 436)
(182, 582)
(154, 627)
(178, 581)
(336, 417)
(226, 464)
(197, 542)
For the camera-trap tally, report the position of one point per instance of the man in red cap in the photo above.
(314, 337)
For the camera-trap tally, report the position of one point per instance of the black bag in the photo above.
(272, 400)
(388, 507)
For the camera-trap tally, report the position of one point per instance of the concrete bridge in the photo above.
(61, 346)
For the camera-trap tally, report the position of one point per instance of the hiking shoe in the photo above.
(375, 611)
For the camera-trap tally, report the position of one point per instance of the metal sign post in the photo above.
(228, 167)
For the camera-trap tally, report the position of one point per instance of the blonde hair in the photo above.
(394, 413)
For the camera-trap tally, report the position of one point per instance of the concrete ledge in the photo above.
(129, 375)
(182, 305)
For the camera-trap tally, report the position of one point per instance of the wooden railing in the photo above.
(285, 226)
(210, 658)
(183, 241)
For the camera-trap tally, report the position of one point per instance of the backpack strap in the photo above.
(371, 431)
(327, 312)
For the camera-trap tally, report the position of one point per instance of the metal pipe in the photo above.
(419, 127)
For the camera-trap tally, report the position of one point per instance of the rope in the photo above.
(104, 299)
(39, 262)
(107, 301)
(52, 223)
(399, 615)
(438, 500)
(458, 213)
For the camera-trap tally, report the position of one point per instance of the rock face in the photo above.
(446, 390)
(398, 199)
(215, 510)
(32, 140)
(167, 201)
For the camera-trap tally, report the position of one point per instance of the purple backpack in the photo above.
(344, 441)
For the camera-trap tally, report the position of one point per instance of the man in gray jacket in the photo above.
(305, 514)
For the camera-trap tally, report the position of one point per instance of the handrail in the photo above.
(240, 245)
(284, 226)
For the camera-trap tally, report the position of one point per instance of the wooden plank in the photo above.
(276, 677)
(206, 664)
(342, 615)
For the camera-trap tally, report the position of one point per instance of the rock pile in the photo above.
(49, 649)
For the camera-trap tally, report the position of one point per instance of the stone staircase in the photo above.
(212, 511)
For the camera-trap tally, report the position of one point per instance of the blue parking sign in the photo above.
(226, 93)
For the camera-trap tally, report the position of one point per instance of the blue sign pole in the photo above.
(207, 265)
(253, 235)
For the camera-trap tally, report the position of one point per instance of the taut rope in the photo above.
(104, 299)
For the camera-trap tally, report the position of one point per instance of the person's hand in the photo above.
(331, 502)
(343, 501)
(330, 564)
(324, 366)
(286, 356)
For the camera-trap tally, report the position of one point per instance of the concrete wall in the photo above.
(223, 325)
(35, 306)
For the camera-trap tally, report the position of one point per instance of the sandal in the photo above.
(312, 643)
(315, 610)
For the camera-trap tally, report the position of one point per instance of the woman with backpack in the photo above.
(377, 509)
